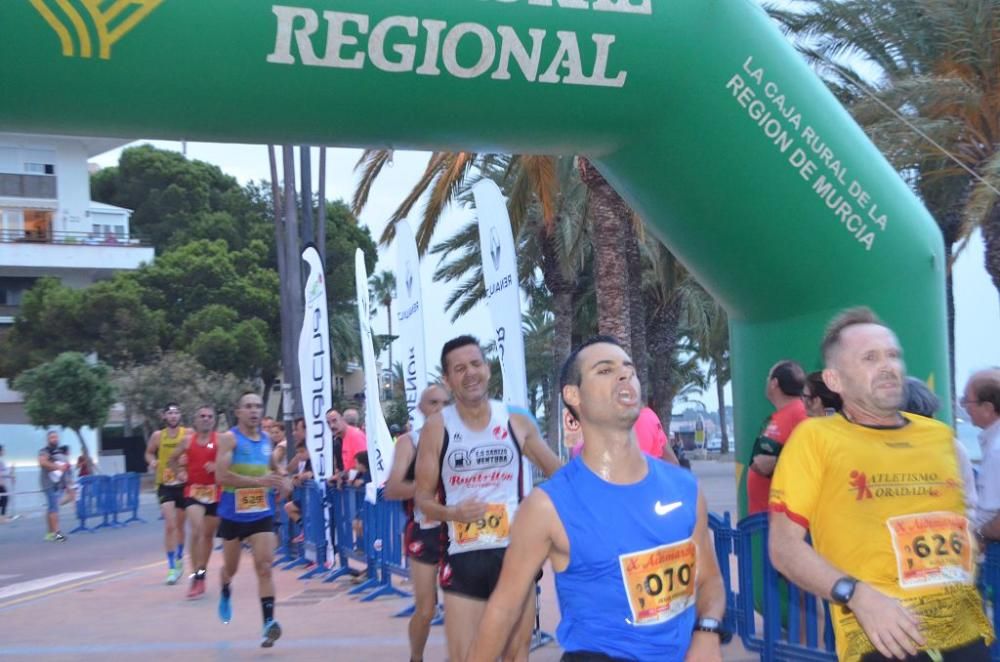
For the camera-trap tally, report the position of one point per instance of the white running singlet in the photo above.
(484, 465)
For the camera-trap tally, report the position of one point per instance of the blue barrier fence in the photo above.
(107, 498)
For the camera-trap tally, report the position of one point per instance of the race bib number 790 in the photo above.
(659, 582)
(932, 548)
(492, 527)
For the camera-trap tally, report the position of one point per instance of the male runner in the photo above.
(880, 493)
(201, 493)
(626, 533)
(423, 537)
(244, 469)
(472, 450)
(169, 487)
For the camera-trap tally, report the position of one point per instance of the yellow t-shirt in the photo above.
(886, 506)
(164, 474)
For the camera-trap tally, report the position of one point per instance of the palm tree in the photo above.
(934, 109)
(383, 287)
(547, 206)
(711, 336)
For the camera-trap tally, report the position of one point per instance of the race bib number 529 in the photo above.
(251, 500)
(932, 548)
(659, 582)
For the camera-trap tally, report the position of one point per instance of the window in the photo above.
(13, 289)
(40, 168)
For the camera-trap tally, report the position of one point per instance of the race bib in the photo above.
(204, 493)
(251, 500)
(932, 548)
(659, 581)
(169, 476)
(493, 527)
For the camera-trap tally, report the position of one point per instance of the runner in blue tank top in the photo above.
(244, 469)
(627, 536)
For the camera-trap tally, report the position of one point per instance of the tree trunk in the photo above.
(292, 285)
(281, 253)
(321, 216)
(84, 451)
(637, 303)
(608, 215)
(949, 298)
(991, 237)
(562, 341)
(662, 346)
(305, 159)
(720, 391)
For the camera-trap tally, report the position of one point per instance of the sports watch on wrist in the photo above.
(843, 590)
(713, 626)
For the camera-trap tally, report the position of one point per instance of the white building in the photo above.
(49, 226)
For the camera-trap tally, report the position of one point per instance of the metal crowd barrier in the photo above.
(107, 497)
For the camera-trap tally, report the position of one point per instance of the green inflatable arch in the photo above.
(698, 111)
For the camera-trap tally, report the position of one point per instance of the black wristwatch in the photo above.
(714, 626)
(843, 590)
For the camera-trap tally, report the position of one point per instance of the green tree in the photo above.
(712, 341)
(70, 392)
(383, 288)
(144, 389)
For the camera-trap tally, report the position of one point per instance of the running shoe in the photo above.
(59, 537)
(173, 575)
(272, 631)
(225, 608)
(50, 537)
(197, 589)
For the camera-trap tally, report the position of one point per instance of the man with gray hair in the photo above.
(353, 416)
(880, 492)
(981, 400)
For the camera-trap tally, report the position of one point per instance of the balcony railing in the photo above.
(27, 186)
(64, 238)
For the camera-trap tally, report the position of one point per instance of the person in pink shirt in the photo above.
(352, 439)
(648, 432)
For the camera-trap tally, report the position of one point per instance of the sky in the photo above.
(976, 300)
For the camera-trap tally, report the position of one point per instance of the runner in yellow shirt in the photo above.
(881, 494)
(169, 487)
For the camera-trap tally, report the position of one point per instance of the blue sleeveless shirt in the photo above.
(250, 458)
(628, 590)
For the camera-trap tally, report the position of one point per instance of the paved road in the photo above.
(101, 596)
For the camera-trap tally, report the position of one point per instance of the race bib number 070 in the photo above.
(251, 500)
(932, 548)
(659, 582)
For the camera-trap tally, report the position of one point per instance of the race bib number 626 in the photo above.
(932, 548)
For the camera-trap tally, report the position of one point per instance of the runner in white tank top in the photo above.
(468, 471)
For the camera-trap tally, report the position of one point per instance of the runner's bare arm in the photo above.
(278, 457)
(224, 460)
(152, 446)
(533, 445)
(892, 628)
(711, 600)
(429, 468)
(397, 487)
(531, 538)
(45, 463)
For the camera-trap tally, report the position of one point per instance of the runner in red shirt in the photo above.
(785, 384)
(201, 493)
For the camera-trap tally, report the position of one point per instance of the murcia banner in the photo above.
(410, 316)
(316, 374)
(376, 430)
